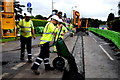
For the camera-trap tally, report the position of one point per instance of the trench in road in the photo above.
(78, 53)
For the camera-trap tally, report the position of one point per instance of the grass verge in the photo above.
(13, 39)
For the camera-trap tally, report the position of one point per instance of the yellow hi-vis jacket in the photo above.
(25, 27)
(59, 34)
(48, 33)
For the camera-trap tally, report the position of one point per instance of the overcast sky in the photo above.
(97, 9)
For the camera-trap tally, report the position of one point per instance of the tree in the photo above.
(32, 17)
(110, 17)
(18, 10)
(39, 17)
(115, 25)
(119, 13)
(95, 22)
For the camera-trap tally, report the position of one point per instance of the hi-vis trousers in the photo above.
(26, 42)
(43, 56)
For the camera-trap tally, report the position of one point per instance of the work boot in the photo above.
(48, 67)
(35, 71)
(22, 56)
(29, 60)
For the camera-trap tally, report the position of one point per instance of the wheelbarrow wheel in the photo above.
(58, 63)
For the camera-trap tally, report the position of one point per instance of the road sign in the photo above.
(29, 10)
(29, 4)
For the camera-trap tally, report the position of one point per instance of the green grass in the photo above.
(14, 39)
(38, 35)
(8, 39)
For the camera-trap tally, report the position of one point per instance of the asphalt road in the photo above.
(99, 60)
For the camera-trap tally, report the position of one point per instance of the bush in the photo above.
(39, 30)
(38, 22)
(116, 25)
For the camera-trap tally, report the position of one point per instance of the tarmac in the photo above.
(56, 74)
(97, 64)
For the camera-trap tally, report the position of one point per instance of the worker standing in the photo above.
(27, 32)
(48, 35)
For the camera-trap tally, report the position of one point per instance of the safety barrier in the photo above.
(111, 35)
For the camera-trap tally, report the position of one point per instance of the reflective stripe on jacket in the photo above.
(60, 32)
(25, 27)
(48, 33)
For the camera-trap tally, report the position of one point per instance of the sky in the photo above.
(96, 9)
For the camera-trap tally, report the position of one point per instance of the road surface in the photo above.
(99, 60)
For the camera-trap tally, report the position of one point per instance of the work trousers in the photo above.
(26, 42)
(43, 56)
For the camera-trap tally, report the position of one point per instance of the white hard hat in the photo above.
(60, 20)
(26, 14)
(55, 17)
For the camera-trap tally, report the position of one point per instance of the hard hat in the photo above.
(55, 17)
(60, 20)
(26, 14)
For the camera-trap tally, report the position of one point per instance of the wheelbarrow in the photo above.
(63, 52)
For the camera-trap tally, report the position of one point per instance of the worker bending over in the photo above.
(60, 33)
(48, 35)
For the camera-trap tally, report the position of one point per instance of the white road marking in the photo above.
(18, 65)
(106, 52)
(4, 74)
(93, 38)
(103, 48)
(22, 63)
(104, 43)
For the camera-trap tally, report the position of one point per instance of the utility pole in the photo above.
(119, 8)
(52, 5)
(72, 13)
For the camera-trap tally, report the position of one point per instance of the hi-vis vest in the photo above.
(60, 32)
(26, 28)
(48, 33)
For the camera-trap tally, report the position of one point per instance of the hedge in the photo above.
(38, 22)
(111, 35)
(39, 25)
(39, 30)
